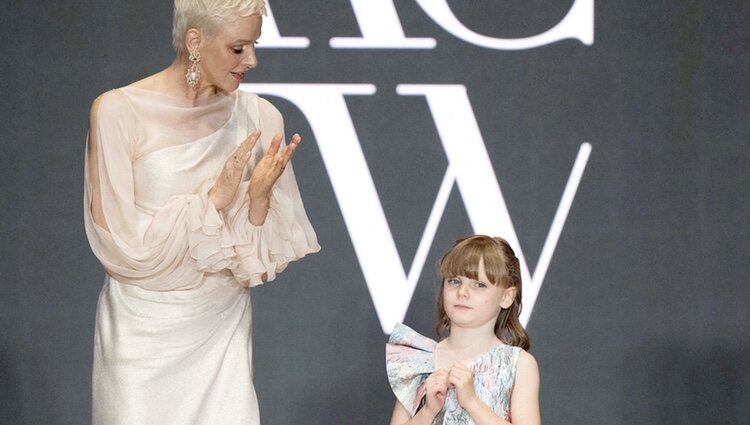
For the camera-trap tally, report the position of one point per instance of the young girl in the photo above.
(480, 372)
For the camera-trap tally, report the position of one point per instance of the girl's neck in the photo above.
(466, 338)
(464, 345)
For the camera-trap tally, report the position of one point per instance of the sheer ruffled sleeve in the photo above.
(286, 234)
(168, 249)
(409, 360)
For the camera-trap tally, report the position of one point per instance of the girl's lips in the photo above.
(463, 307)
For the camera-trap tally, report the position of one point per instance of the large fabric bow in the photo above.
(409, 360)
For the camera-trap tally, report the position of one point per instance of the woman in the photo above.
(189, 200)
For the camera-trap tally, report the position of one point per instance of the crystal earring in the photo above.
(193, 75)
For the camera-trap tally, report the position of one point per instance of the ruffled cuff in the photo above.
(409, 360)
(269, 248)
(209, 240)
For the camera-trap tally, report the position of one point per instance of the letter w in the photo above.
(469, 166)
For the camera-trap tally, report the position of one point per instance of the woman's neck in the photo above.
(172, 81)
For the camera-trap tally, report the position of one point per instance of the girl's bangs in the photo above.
(464, 258)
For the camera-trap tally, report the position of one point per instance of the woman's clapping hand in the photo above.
(265, 174)
(224, 190)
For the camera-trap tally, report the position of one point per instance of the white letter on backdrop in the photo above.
(271, 37)
(469, 166)
(381, 29)
(577, 24)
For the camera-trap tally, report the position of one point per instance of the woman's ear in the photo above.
(193, 39)
(508, 297)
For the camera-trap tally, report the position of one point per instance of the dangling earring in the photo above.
(193, 75)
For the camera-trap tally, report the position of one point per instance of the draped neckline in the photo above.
(175, 101)
(163, 121)
(476, 360)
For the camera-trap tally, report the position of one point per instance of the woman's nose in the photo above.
(251, 61)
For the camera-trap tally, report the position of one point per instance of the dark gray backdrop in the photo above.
(643, 312)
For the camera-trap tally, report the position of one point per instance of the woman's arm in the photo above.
(168, 249)
(265, 175)
(268, 224)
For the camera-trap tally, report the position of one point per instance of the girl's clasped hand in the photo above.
(459, 377)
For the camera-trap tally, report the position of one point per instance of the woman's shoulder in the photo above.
(110, 104)
(261, 111)
(265, 107)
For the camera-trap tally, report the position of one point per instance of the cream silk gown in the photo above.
(173, 325)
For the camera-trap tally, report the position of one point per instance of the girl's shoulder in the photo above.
(526, 364)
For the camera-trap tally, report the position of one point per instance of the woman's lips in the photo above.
(462, 307)
(239, 76)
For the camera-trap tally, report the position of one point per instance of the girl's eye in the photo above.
(454, 281)
(480, 284)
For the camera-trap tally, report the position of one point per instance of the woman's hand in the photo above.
(461, 378)
(265, 174)
(224, 190)
(436, 387)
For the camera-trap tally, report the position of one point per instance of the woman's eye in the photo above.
(237, 50)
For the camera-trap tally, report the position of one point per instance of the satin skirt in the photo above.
(178, 357)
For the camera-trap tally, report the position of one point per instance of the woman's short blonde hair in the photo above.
(209, 16)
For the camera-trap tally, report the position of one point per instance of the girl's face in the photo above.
(226, 57)
(471, 303)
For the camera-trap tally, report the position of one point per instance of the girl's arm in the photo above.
(401, 416)
(436, 389)
(524, 399)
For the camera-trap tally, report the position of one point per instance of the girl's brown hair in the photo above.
(501, 267)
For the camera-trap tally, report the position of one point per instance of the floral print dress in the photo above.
(410, 359)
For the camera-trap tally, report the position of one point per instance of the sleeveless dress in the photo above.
(410, 359)
(172, 341)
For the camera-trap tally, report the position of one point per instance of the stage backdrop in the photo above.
(608, 141)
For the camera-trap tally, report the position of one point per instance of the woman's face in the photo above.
(231, 52)
(471, 303)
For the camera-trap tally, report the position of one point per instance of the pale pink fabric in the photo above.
(172, 343)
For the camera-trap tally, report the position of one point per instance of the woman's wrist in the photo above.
(212, 200)
(258, 211)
